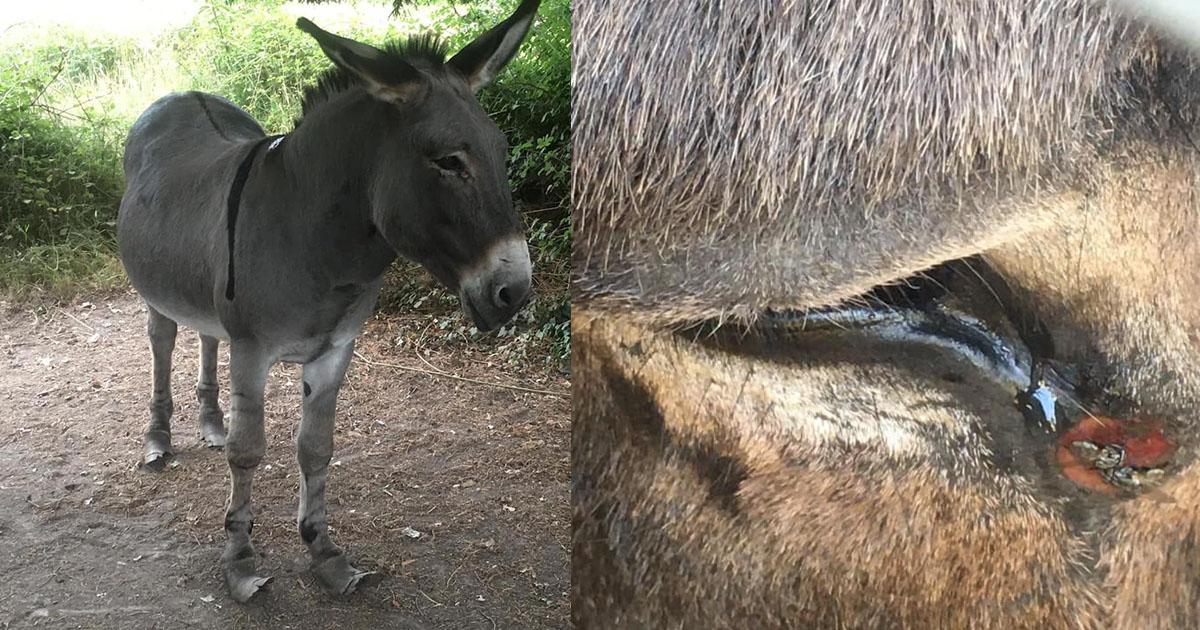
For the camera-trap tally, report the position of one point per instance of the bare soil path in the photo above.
(89, 540)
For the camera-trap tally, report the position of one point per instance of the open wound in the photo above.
(1112, 455)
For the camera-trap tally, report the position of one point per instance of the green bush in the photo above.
(59, 183)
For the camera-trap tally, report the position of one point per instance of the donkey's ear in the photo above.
(385, 76)
(483, 58)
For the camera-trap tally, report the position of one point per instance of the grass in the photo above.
(67, 98)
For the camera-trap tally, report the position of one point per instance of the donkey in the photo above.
(278, 245)
(886, 315)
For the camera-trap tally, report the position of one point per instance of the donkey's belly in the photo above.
(176, 279)
(205, 323)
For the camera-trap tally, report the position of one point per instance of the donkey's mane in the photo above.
(425, 51)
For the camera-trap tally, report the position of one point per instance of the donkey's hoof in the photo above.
(157, 451)
(242, 581)
(213, 433)
(338, 576)
(156, 462)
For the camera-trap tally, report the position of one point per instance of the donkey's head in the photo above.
(436, 184)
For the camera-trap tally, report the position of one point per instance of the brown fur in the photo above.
(747, 171)
(733, 482)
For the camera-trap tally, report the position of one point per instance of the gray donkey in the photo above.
(279, 244)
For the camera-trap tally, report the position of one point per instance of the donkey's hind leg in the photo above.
(158, 434)
(245, 447)
(314, 447)
(212, 419)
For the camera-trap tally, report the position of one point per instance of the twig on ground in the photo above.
(430, 598)
(80, 321)
(436, 372)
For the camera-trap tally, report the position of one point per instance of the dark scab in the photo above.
(307, 389)
(232, 525)
(308, 532)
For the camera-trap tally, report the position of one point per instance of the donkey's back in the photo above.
(181, 158)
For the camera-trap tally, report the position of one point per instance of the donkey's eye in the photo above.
(451, 163)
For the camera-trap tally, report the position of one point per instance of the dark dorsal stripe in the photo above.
(208, 114)
(235, 200)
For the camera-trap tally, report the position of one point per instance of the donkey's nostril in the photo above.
(510, 295)
(503, 297)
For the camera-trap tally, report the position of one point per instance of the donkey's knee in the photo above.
(162, 331)
(245, 454)
(314, 460)
(314, 445)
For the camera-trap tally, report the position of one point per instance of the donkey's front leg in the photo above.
(244, 448)
(314, 447)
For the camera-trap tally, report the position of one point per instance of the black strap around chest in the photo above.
(234, 201)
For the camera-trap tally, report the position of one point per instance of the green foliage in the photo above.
(59, 183)
(254, 56)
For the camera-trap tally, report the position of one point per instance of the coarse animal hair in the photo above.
(710, 177)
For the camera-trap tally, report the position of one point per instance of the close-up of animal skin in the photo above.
(885, 314)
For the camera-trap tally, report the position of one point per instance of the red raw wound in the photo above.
(1144, 443)
(1080, 472)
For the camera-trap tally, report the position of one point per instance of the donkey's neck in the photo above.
(1116, 278)
(322, 173)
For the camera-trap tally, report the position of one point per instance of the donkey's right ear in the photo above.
(385, 76)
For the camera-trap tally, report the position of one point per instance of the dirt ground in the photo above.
(89, 540)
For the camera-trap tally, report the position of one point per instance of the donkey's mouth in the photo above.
(472, 313)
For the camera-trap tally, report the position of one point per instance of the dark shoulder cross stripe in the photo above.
(235, 200)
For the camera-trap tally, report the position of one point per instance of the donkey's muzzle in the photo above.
(499, 284)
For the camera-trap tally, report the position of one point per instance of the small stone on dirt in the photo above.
(207, 599)
(411, 533)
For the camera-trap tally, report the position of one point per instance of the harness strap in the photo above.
(235, 200)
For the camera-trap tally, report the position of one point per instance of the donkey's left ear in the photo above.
(482, 59)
